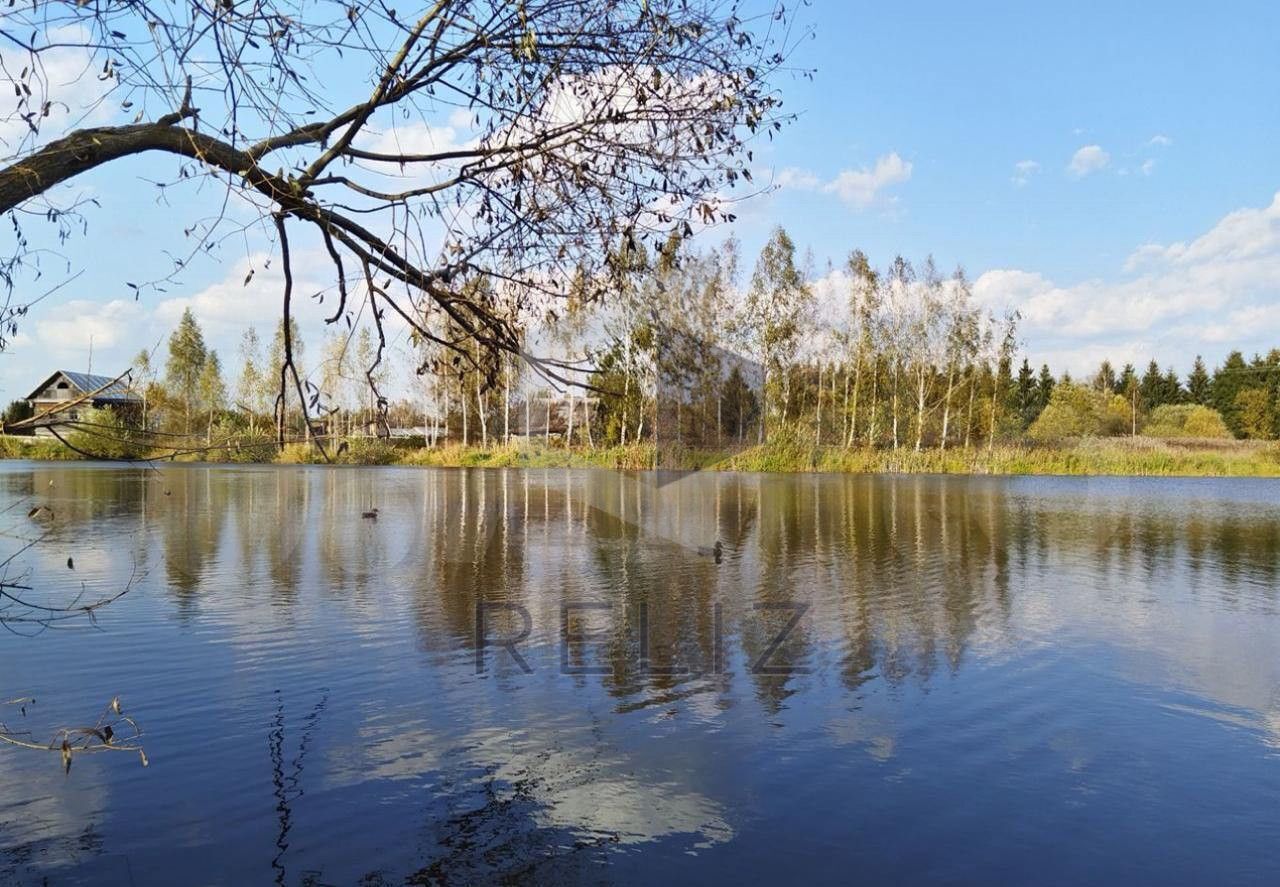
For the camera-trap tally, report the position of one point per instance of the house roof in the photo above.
(113, 391)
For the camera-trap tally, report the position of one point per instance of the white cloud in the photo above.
(800, 179)
(860, 187)
(460, 119)
(1148, 167)
(68, 330)
(230, 305)
(1218, 289)
(1159, 141)
(1023, 170)
(1088, 160)
(421, 138)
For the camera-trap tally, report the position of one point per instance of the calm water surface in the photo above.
(1057, 681)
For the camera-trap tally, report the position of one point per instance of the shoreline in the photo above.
(1086, 457)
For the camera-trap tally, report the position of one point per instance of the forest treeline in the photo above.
(688, 353)
(905, 357)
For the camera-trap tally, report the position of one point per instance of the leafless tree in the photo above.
(592, 124)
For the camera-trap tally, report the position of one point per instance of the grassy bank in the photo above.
(1140, 457)
(1089, 456)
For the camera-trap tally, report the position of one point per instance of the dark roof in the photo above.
(113, 391)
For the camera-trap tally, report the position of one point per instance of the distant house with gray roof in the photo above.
(63, 386)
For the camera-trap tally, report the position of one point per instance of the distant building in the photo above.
(553, 411)
(65, 385)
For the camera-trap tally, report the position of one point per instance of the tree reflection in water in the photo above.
(262, 584)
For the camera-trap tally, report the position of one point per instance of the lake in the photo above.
(548, 676)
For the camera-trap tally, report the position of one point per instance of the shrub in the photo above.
(16, 412)
(43, 449)
(367, 451)
(1071, 412)
(1185, 420)
(298, 454)
(1077, 411)
(105, 434)
(242, 445)
(1117, 417)
(1255, 414)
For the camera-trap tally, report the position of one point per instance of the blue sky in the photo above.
(1110, 169)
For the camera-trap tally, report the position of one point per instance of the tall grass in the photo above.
(789, 453)
(1089, 456)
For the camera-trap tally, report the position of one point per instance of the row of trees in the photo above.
(186, 394)
(1242, 394)
(902, 357)
(908, 360)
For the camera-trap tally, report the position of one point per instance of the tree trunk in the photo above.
(817, 441)
(991, 428)
(872, 418)
(764, 399)
(920, 399)
(857, 384)
(896, 386)
(568, 433)
(968, 419)
(845, 432)
(946, 406)
(446, 412)
(626, 395)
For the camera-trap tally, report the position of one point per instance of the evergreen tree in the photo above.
(1105, 380)
(1044, 389)
(1229, 380)
(1271, 380)
(1028, 401)
(1128, 378)
(187, 355)
(1151, 389)
(1171, 391)
(1198, 383)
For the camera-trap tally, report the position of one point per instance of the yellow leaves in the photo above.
(528, 46)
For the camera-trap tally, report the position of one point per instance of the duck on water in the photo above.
(717, 551)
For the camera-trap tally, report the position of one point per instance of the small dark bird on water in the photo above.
(716, 552)
(370, 515)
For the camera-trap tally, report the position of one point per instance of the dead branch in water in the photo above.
(112, 731)
(21, 614)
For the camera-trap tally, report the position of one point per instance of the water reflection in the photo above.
(985, 625)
